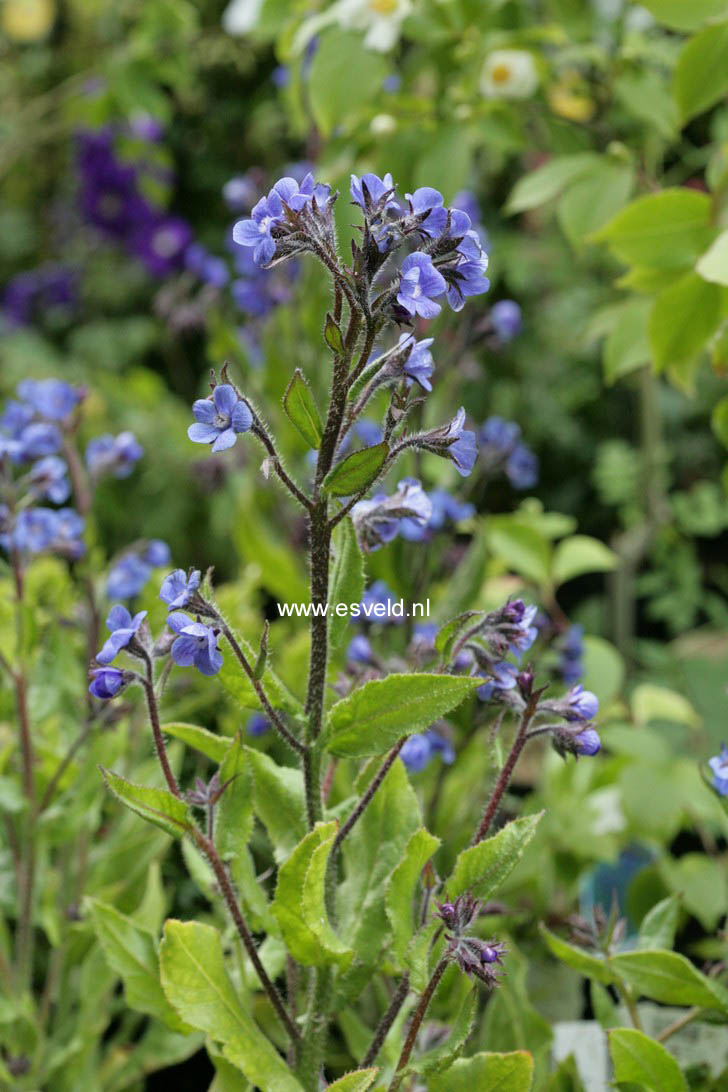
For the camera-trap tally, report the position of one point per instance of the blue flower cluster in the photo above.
(48, 291)
(502, 451)
(128, 576)
(379, 519)
(571, 667)
(271, 217)
(422, 747)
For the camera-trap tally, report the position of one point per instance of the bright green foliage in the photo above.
(356, 472)
(403, 885)
(481, 869)
(375, 716)
(670, 978)
(487, 1073)
(360, 1081)
(279, 801)
(157, 806)
(640, 1060)
(200, 739)
(299, 404)
(347, 579)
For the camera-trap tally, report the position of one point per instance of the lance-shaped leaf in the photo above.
(372, 718)
(670, 978)
(299, 904)
(299, 404)
(402, 888)
(130, 951)
(483, 868)
(199, 739)
(659, 925)
(356, 472)
(155, 805)
(487, 1073)
(360, 1081)
(234, 819)
(347, 580)
(279, 801)
(637, 1059)
(587, 963)
(197, 984)
(450, 631)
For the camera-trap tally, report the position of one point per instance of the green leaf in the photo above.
(487, 1073)
(299, 904)
(669, 978)
(299, 404)
(701, 73)
(279, 801)
(590, 201)
(239, 687)
(347, 580)
(198, 986)
(637, 1059)
(657, 703)
(483, 868)
(450, 631)
(130, 952)
(659, 925)
(713, 265)
(344, 76)
(360, 1081)
(549, 181)
(588, 964)
(683, 317)
(685, 14)
(627, 346)
(719, 421)
(356, 472)
(668, 229)
(437, 1060)
(603, 669)
(199, 739)
(155, 805)
(234, 813)
(522, 548)
(403, 886)
(374, 716)
(581, 554)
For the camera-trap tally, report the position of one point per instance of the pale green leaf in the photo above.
(481, 869)
(713, 265)
(199, 739)
(668, 229)
(403, 888)
(637, 1059)
(654, 703)
(683, 317)
(589, 964)
(360, 1081)
(549, 181)
(155, 805)
(659, 925)
(581, 554)
(522, 548)
(347, 580)
(685, 14)
(669, 978)
(487, 1073)
(279, 801)
(701, 73)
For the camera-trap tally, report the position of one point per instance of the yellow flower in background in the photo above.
(570, 98)
(509, 74)
(27, 20)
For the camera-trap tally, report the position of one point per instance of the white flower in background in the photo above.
(240, 16)
(509, 74)
(383, 125)
(381, 20)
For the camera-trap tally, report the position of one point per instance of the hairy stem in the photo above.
(208, 848)
(398, 999)
(506, 773)
(417, 1019)
(366, 798)
(159, 743)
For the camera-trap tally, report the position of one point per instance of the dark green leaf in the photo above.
(299, 404)
(155, 805)
(356, 472)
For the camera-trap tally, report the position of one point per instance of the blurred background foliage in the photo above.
(597, 157)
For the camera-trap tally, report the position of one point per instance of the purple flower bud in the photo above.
(580, 704)
(106, 682)
(257, 725)
(588, 742)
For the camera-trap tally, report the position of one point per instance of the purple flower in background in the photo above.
(719, 766)
(466, 201)
(106, 682)
(464, 451)
(115, 455)
(145, 127)
(419, 284)
(368, 432)
(127, 578)
(160, 244)
(34, 530)
(31, 295)
(501, 677)
(416, 752)
(206, 266)
(506, 318)
(380, 597)
(392, 83)
(572, 651)
(69, 527)
(502, 450)
(122, 628)
(15, 417)
(257, 725)
(588, 742)
(429, 205)
(423, 637)
(37, 440)
(196, 644)
(178, 587)
(50, 398)
(242, 191)
(522, 467)
(156, 553)
(498, 437)
(48, 479)
(359, 651)
(377, 190)
(219, 420)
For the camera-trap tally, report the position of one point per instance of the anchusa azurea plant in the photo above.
(351, 896)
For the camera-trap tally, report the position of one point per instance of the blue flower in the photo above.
(524, 632)
(359, 651)
(368, 432)
(37, 440)
(127, 578)
(50, 398)
(464, 451)
(122, 627)
(506, 319)
(156, 553)
(206, 266)
(196, 644)
(374, 188)
(178, 587)
(15, 417)
(498, 437)
(257, 725)
(423, 636)
(34, 530)
(115, 455)
(377, 520)
(419, 365)
(587, 742)
(419, 284)
(522, 468)
(416, 752)
(580, 704)
(501, 677)
(48, 479)
(219, 420)
(445, 508)
(106, 682)
(572, 651)
(719, 766)
(69, 527)
(256, 231)
(467, 279)
(380, 595)
(429, 204)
